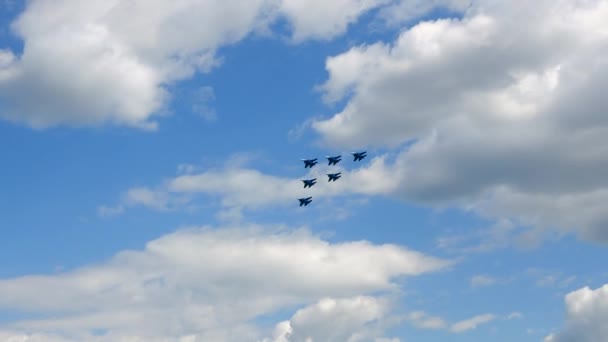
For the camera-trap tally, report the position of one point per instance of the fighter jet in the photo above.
(334, 160)
(309, 182)
(334, 176)
(305, 201)
(359, 155)
(309, 162)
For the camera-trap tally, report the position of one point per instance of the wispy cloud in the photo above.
(106, 211)
(550, 278)
(471, 323)
(422, 320)
(482, 281)
(238, 187)
(515, 315)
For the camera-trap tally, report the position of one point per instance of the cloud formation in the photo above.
(324, 19)
(586, 312)
(502, 109)
(482, 280)
(203, 282)
(360, 318)
(238, 187)
(471, 323)
(89, 63)
(422, 320)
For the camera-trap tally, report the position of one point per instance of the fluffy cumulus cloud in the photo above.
(89, 63)
(403, 11)
(586, 312)
(324, 19)
(503, 110)
(202, 284)
(351, 319)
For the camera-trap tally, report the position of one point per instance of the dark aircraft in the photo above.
(359, 155)
(334, 176)
(305, 201)
(309, 182)
(309, 162)
(334, 160)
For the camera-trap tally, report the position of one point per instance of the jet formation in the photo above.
(332, 177)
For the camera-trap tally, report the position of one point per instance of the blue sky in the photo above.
(152, 169)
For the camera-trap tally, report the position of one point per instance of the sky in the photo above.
(152, 164)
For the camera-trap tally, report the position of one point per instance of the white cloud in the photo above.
(318, 19)
(201, 103)
(581, 211)
(324, 19)
(186, 168)
(498, 235)
(550, 278)
(482, 281)
(515, 315)
(385, 78)
(91, 63)
(586, 311)
(504, 108)
(350, 319)
(106, 211)
(471, 323)
(204, 282)
(422, 320)
(87, 63)
(148, 198)
(238, 187)
(403, 11)
(15, 336)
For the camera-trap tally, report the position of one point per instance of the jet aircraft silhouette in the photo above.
(309, 162)
(334, 160)
(309, 182)
(359, 155)
(305, 201)
(334, 176)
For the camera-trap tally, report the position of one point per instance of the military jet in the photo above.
(309, 162)
(359, 155)
(334, 176)
(334, 160)
(309, 182)
(305, 201)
